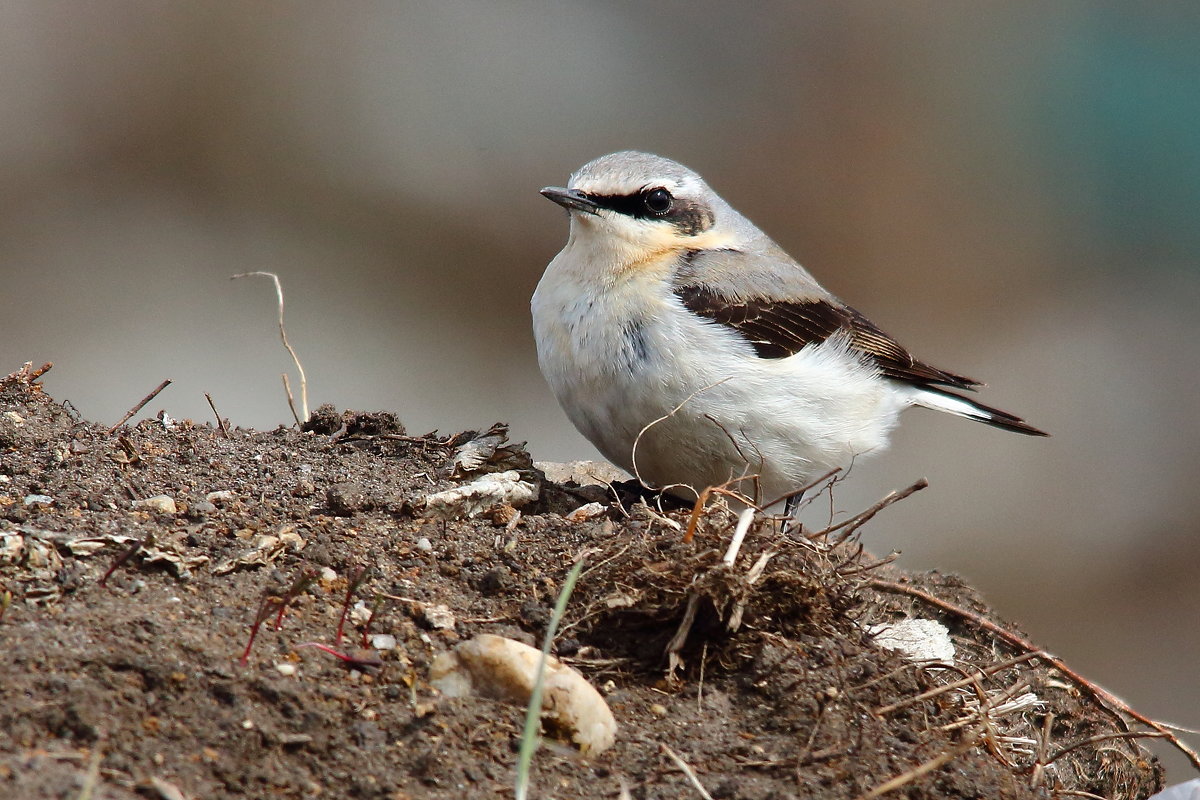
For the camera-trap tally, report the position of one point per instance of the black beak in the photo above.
(571, 199)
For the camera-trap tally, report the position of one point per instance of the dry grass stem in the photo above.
(927, 767)
(283, 334)
(745, 520)
(688, 771)
(701, 504)
(1105, 737)
(92, 777)
(1043, 745)
(949, 687)
(287, 390)
(637, 439)
(988, 705)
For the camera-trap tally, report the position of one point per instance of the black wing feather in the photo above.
(778, 329)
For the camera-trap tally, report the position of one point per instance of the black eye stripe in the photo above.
(628, 204)
(648, 203)
(689, 217)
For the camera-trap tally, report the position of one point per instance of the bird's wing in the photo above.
(779, 328)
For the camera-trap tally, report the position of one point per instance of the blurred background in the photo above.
(1011, 189)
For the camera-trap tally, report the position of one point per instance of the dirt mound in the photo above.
(764, 674)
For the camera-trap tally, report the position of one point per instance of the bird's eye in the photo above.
(658, 201)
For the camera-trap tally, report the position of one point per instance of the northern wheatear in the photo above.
(691, 349)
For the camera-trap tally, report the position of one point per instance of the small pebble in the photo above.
(223, 496)
(585, 512)
(439, 617)
(328, 574)
(160, 502)
(424, 544)
(360, 613)
(204, 507)
(658, 709)
(38, 499)
(383, 641)
(285, 669)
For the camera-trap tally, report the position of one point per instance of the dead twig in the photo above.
(949, 687)
(800, 492)
(39, 372)
(846, 570)
(688, 771)
(1105, 698)
(139, 406)
(1105, 737)
(220, 422)
(27, 374)
(935, 763)
(858, 520)
(283, 335)
(681, 634)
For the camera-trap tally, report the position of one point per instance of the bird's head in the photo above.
(632, 207)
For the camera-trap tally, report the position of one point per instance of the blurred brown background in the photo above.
(1012, 189)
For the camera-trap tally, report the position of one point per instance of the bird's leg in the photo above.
(790, 507)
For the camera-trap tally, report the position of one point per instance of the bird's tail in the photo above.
(952, 403)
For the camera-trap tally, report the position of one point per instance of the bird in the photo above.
(693, 352)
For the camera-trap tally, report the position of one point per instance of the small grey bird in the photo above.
(692, 350)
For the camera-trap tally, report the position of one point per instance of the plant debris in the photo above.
(747, 671)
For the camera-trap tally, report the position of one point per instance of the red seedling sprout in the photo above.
(268, 605)
(363, 663)
(357, 578)
(295, 590)
(125, 556)
(271, 604)
(376, 604)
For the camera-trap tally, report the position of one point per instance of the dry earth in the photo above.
(132, 687)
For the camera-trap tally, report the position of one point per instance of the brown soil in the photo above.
(134, 688)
